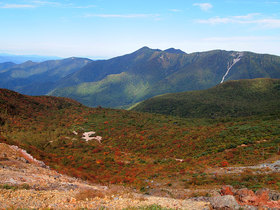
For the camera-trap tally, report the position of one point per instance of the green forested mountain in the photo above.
(125, 80)
(128, 79)
(230, 99)
(37, 78)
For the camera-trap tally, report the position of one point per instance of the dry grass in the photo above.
(89, 194)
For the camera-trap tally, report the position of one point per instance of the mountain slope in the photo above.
(39, 78)
(230, 99)
(15, 104)
(5, 66)
(134, 147)
(128, 79)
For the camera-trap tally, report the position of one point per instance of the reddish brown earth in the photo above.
(244, 196)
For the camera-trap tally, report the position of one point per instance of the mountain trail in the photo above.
(268, 166)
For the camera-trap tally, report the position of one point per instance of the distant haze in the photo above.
(23, 58)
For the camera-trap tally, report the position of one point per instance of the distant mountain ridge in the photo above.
(4, 57)
(125, 80)
(34, 78)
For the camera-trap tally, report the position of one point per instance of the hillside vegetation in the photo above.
(122, 81)
(230, 99)
(140, 149)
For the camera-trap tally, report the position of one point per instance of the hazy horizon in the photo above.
(54, 57)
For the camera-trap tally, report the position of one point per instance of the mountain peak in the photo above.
(147, 49)
(175, 51)
(29, 62)
(170, 50)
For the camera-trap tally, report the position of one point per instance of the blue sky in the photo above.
(108, 28)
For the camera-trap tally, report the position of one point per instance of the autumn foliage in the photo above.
(137, 148)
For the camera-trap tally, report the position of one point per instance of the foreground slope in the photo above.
(148, 151)
(230, 99)
(28, 183)
(125, 80)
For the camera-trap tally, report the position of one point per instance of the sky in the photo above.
(109, 28)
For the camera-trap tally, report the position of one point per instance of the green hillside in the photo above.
(230, 99)
(143, 150)
(122, 81)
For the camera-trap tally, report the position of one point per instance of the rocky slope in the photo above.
(28, 183)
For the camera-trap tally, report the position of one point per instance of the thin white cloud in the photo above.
(270, 23)
(17, 6)
(215, 20)
(175, 10)
(242, 39)
(84, 7)
(272, 2)
(122, 15)
(204, 6)
(58, 4)
(46, 3)
(247, 19)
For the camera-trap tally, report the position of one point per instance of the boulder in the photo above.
(274, 195)
(227, 190)
(245, 196)
(224, 202)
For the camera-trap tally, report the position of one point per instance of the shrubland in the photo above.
(142, 150)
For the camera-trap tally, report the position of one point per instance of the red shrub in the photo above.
(224, 163)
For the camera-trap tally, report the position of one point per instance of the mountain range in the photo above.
(125, 80)
(34, 78)
(4, 57)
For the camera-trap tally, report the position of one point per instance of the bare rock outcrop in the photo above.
(261, 198)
